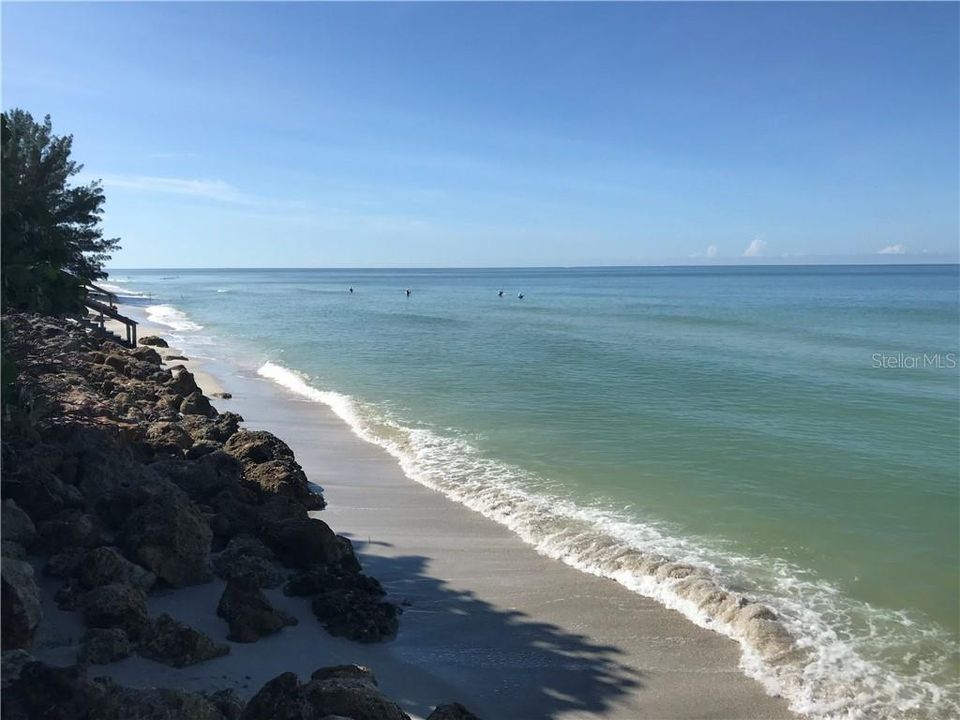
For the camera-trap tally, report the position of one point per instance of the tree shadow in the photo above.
(498, 662)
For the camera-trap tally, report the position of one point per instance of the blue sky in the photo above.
(495, 134)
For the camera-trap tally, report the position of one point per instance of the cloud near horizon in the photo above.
(755, 248)
(892, 250)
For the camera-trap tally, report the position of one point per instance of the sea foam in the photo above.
(790, 627)
(171, 317)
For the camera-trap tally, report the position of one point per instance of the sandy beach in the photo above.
(487, 620)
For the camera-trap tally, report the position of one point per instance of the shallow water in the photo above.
(793, 432)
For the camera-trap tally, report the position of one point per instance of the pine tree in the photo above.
(52, 243)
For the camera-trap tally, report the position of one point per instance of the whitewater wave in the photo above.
(799, 636)
(171, 317)
(122, 292)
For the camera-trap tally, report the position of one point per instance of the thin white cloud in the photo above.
(210, 189)
(756, 247)
(892, 250)
(711, 251)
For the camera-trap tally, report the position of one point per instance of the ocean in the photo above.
(793, 433)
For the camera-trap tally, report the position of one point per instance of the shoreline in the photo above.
(635, 657)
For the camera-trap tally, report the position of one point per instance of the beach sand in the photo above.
(489, 622)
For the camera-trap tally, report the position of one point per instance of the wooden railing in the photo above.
(103, 305)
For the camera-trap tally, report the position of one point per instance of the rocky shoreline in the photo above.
(120, 479)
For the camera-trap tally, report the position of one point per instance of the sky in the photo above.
(494, 134)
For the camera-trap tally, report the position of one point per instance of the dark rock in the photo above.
(451, 711)
(270, 467)
(16, 525)
(12, 662)
(11, 549)
(245, 556)
(248, 612)
(227, 703)
(116, 606)
(167, 438)
(43, 691)
(325, 578)
(202, 478)
(41, 495)
(105, 565)
(173, 643)
(350, 691)
(146, 354)
(65, 564)
(68, 596)
(280, 699)
(19, 604)
(70, 529)
(122, 703)
(154, 340)
(104, 645)
(303, 543)
(223, 395)
(176, 357)
(356, 615)
(218, 429)
(196, 403)
(170, 537)
(182, 383)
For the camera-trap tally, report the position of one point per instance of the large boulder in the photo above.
(325, 578)
(248, 612)
(451, 711)
(167, 438)
(350, 691)
(105, 565)
(170, 537)
(122, 703)
(116, 605)
(154, 340)
(44, 691)
(270, 467)
(202, 478)
(356, 615)
(19, 603)
(70, 529)
(16, 525)
(174, 643)
(280, 699)
(146, 354)
(218, 429)
(40, 495)
(182, 381)
(104, 645)
(196, 403)
(245, 556)
(303, 543)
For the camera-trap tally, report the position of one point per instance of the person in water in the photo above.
(500, 294)
(407, 292)
(351, 291)
(520, 296)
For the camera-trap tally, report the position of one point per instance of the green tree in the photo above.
(52, 242)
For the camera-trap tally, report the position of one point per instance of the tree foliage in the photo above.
(52, 242)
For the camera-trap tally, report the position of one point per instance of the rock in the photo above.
(202, 478)
(19, 604)
(245, 556)
(350, 691)
(182, 383)
(325, 578)
(104, 645)
(65, 564)
(356, 615)
(248, 612)
(105, 565)
(170, 537)
(451, 711)
(303, 543)
(116, 606)
(222, 395)
(270, 467)
(217, 429)
(176, 357)
(12, 662)
(43, 691)
(70, 529)
(167, 438)
(42, 495)
(16, 525)
(154, 340)
(146, 354)
(11, 549)
(121, 703)
(280, 699)
(196, 403)
(227, 703)
(173, 643)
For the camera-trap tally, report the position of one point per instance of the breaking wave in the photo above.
(171, 317)
(799, 636)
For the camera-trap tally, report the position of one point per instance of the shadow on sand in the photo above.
(500, 663)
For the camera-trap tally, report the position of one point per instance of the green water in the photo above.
(794, 430)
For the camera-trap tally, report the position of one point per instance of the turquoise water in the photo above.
(778, 427)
